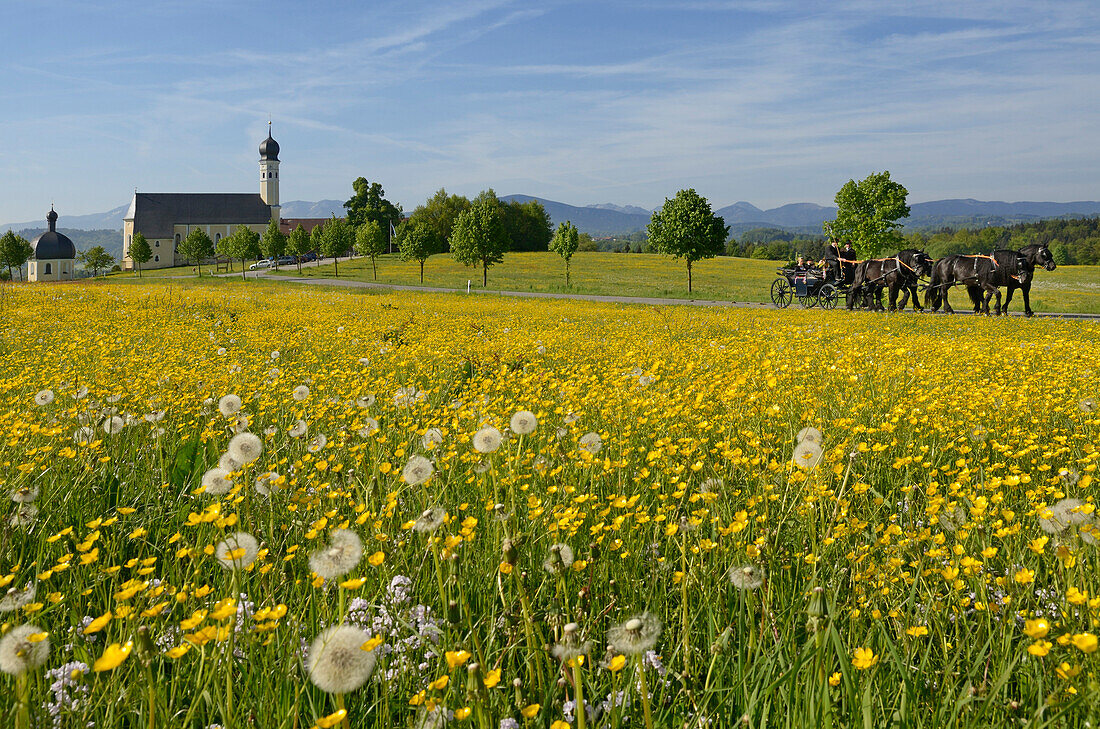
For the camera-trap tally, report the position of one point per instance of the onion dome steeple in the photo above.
(51, 218)
(269, 148)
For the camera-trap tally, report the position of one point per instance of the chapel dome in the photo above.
(269, 149)
(52, 245)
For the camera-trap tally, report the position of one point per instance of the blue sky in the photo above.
(582, 102)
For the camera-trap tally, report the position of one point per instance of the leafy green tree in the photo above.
(686, 228)
(140, 252)
(317, 240)
(478, 238)
(370, 241)
(369, 203)
(297, 244)
(243, 244)
(198, 246)
(867, 214)
(337, 240)
(441, 211)
(96, 258)
(565, 243)
(527, 225)
(417, 241)
(273, 242)
(586, 244)
(15, 250)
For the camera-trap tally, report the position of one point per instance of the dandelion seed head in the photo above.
(19, 653)
(299, 429)
(245, 448)
(635, 636)
(237, 551)
(746, 577)
(807, 455)
(487, 440)
(523, 422)
(339, 556)
(337, 663)
(590, 442)
(16, 598)
(418, 470)
(300, 393)
(44, 397)
(216, 482)
(430, 520)
(229, 405)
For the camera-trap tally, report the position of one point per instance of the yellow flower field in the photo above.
(250, 506)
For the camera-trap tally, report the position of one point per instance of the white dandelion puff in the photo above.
(430, 520)
(807, 454)
(83, 436)
(246, 448)
(366, 401)
(16, 598)
(237, 551)
(319, 442)
(370, 427)
(23, 649)
(523, 422)
(432, 439)
(24, 516)
(339, 557)
(337, 662)
(559, 560)
(418, 470)
(24, 494)
(228, 463)
(268, 482)
(301, 392)
(154, 417)
(746, 577)
(216, 482)
(571, 645)
(1087, 405)
(1064, 515)
(113, 424)
(45, 397)
(299, 429)
(487, 440)
(636, 636)
(229, 405)
(809, 433)
(592, 443)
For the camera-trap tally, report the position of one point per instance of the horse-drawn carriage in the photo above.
(810, 286)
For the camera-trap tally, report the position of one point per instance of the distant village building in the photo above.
(165, 218)
(289, 225)
(54, 257)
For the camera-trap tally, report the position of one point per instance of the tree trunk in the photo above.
(336, 264)
(484, 275)
(198, 270)
(422, 273)
(566, 273)
(374, 266)
(689, 277)
(299, 260)
(244, 270)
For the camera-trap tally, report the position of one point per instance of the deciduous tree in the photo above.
(418, 241)
(15, 250)
(139, 252)
(297, 244)
(564, 243)
(478, 238)
(96, 258)
(198, 246)
(336, 240)
(273, 242)
(369, 203)
(243, 244)
(686, 228)
(867, 214)
(440, 212)
(370, 241)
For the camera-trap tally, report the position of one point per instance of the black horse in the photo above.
(981, 271)
(1037, 255)
(899, 273)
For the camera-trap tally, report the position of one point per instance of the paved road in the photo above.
(348, 283)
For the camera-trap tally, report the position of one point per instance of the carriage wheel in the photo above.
(808, 301)
(828, 296)
(782, 293)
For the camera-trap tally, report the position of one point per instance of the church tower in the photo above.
(269, 173)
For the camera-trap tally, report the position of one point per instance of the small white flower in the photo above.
(342, 554)
(221, 351)
(364, 361)
(809, 433)
(275, 354)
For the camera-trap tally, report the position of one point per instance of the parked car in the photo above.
(286, 260)
(264, 263)
(307, 257)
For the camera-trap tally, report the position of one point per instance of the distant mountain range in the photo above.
(607, 219)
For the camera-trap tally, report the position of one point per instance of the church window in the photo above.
(177, 238)
(157, 242)
(49, 269)
(156, 259)
(217, 237)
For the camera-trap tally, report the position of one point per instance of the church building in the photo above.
(54, 257)
(165, 218)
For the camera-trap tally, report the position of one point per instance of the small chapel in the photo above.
(54, 257)
(165, 218)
